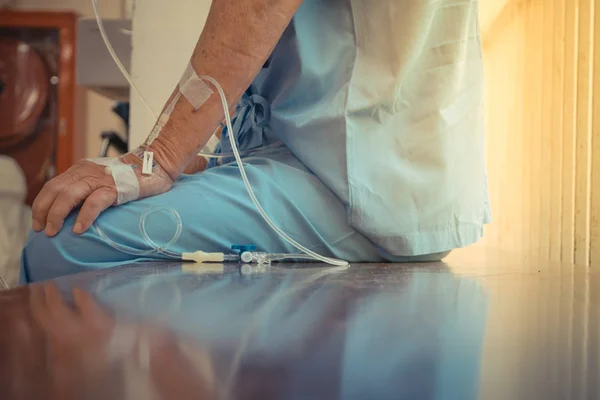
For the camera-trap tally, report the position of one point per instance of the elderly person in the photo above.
(377, 106)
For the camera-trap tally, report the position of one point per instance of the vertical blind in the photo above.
(543, 128)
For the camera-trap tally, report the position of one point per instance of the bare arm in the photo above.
(238, 38)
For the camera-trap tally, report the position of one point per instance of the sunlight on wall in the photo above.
(542, 154)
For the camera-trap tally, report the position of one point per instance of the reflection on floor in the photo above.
(481, 324)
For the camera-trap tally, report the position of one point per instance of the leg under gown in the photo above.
(216, 213)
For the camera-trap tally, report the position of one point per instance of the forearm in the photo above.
(238, 37)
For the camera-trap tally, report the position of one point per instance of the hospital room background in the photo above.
(542, 108)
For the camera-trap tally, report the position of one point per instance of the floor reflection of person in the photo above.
(87, 354)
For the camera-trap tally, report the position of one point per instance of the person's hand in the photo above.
(76, 339)
(91, 185)
(179, 368)
(74, 331)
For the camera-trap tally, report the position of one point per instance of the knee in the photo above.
(66, 253)
(44, 257)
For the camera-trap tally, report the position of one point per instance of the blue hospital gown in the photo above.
(378, 106)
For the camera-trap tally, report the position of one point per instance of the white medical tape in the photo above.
(126, 181)
(194, 89)
(210, 146)
(147, 163)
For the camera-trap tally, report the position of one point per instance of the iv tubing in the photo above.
(156, 249)
(236, 154)
(117, 60)
(250, 191)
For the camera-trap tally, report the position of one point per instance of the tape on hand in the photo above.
(126, 181)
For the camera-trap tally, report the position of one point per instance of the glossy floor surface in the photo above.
(480, 325)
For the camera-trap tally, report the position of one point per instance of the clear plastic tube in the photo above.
(155, 249)
(117, 60)
(236, 154)
(244, 152)
(282, 234)
(266, 258)
(297, 257)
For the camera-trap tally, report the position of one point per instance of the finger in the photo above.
(37, 304)
(48, 309)
(90, 310)
(45, 199)
(58, 310)
(174, 374)
(97, 202)
(85, 303)
(69, 197)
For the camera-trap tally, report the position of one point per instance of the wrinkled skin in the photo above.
(86, 184)
(198, 164)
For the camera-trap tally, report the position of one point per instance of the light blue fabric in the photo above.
(216, 213)
(251, 127)
(382, 100)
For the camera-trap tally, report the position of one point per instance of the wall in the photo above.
(94, 113)
(543, 129)
(163, 40)
(490, 10)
